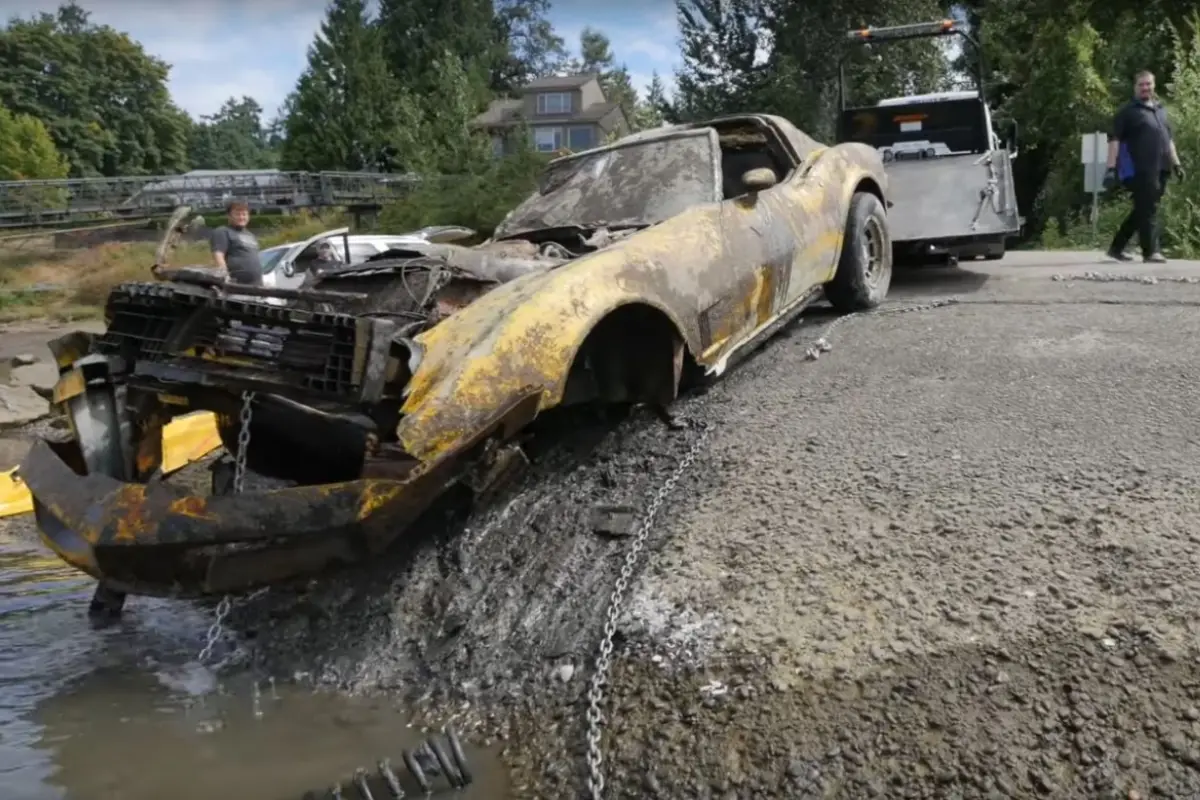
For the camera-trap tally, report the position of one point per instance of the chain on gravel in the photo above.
(217, 628)
(595, 717)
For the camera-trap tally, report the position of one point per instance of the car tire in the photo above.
(864, 271)
(995, 253)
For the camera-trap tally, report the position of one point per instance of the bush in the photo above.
(479, 201)
(1179, 214)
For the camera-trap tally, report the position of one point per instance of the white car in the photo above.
(286, 266)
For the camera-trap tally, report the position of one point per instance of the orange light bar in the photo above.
(910, 118)
(947, 24)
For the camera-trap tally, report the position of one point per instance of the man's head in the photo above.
(239, 215)
(1143, 85)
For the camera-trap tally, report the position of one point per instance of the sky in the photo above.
(228, 48)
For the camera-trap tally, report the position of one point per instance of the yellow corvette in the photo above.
(369, 391)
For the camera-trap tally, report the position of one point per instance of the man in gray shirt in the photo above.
(235, 248)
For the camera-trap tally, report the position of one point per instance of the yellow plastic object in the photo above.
(14, 497)
(188, 439)
(185, 439)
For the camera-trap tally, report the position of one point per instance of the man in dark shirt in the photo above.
(235, 248)
(1142, 129)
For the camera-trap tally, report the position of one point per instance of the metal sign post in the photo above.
(1094, 157)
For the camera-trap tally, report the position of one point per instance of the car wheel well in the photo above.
(870, 186)
(634, 354)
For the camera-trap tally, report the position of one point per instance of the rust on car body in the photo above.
(415, 370)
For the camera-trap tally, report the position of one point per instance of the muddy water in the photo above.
(127, 712)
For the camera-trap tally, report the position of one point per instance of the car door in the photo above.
(287, 276)
(759, 239)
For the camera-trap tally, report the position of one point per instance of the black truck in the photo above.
(949, 174)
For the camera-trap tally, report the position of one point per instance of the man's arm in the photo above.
(220, 246)
(1118, 136)
(1174, 155)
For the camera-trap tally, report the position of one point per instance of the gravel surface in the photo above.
(955, 556)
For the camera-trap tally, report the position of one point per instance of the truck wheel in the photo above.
(864, 270)
(995, 255)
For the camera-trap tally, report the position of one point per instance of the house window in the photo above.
(547, 140)
(554, 103)
(581, 138)
(497, 146)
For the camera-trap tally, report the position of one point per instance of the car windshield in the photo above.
(270, 257)
(640, 183)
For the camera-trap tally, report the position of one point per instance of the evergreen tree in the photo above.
(650, 111)
(347, 111)
(596, 56)
(527, 45)
(721, 71)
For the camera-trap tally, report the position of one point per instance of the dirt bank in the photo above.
(954, 557)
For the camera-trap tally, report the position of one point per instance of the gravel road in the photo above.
(956, 556)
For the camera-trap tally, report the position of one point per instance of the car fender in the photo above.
(844, 167)
(524, 335)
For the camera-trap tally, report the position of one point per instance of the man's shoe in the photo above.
(1155, 258)
(1117, 255)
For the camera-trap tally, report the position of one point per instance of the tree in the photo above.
(26, 150)
(347, 109)
(596, 56)
(527, 46)
(233, 138)
(650, 111)
(418, 33)
(103, 100)
(721, 71)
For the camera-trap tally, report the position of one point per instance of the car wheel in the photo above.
(995, 252)
(864, 270)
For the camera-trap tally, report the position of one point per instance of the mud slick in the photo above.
(957, 556)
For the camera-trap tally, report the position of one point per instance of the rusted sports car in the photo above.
(634, 268)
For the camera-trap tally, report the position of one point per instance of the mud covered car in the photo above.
(635, 268)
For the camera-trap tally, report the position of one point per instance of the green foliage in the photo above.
(102, 98)
(26, 150)
(347, 106)
(233, 138)
(526, 44)
(596, 56)
(651, 111)
(479, 201)
(1181, 204)
(28, 153)
(782, 57)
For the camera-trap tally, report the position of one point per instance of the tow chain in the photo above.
(595, 717)
(217, 628)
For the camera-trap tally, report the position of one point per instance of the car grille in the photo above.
(277, 347)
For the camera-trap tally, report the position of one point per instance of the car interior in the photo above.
(747, 145)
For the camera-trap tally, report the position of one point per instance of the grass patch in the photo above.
(74, 284)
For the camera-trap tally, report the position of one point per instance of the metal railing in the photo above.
(45, 203)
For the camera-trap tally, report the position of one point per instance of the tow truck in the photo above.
(949, 174)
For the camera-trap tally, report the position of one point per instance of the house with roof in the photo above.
(562, 111)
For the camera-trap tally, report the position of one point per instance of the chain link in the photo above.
(595, 717)
(217, 628)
